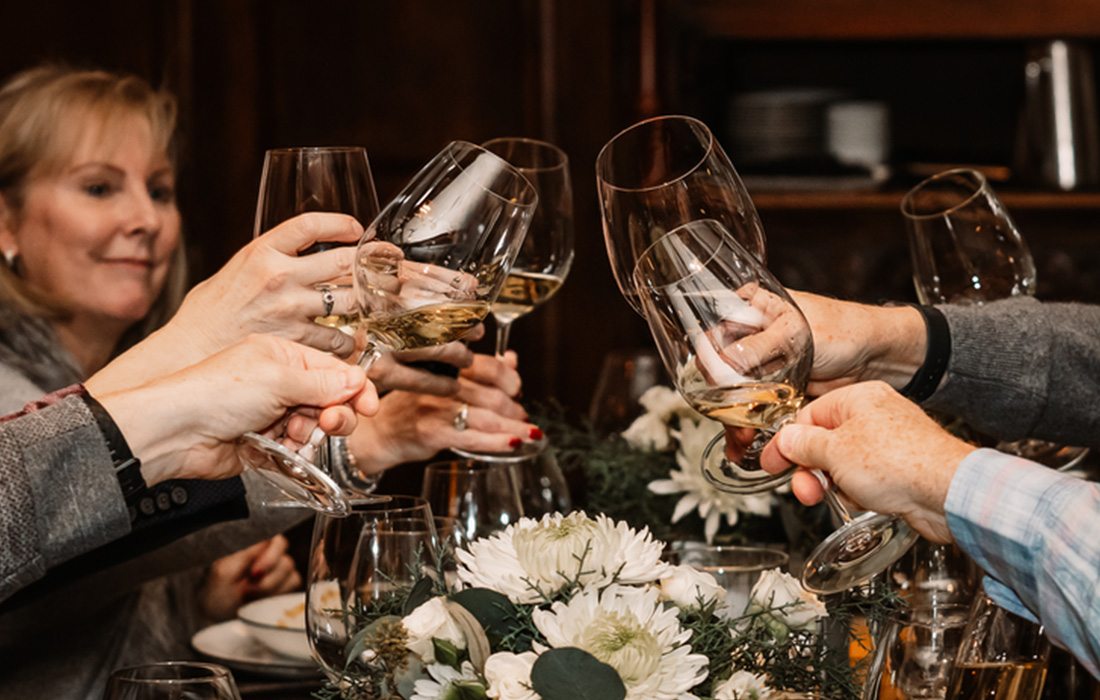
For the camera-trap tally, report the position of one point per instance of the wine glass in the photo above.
(915, 654)
(172, 680)
(428, 268)
(739, 351)
(737, 569)
(547, 253)
(624, 376)
(482, 497)
(295, 181)
(965, 249)
(659, 174)
(380, 561)
(1001, 655)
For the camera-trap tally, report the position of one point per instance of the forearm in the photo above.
(59, 497)
(1033, 530)
(164, 352)
(899, 347)
(1023, 369)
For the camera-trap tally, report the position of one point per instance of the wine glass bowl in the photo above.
(662, 173)
(432, 263)
(737, 347)
(172, 680)
(482, 497)
(964, 246)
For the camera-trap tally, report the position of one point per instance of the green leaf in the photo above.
(446, 652)
(493, 611)
(466, 690)
(574, 674)
(421, 593)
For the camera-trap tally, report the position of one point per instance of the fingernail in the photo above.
(536, 434)
(514, 443)
(351, 378)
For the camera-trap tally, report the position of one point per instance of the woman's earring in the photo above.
(11, 258)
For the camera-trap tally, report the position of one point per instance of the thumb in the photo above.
(805, 445)
(323, 384)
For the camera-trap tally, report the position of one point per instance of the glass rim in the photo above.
(374, 506)
(563, 159)
(471, 466)
(464, 147)
(634, 275)
(710, 145)
(778, 557)
(315, 149)
(128, 674)
(907, 208)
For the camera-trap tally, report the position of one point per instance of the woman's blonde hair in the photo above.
(44, 114)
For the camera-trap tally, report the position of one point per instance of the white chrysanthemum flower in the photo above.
(533, 559)
(699, 494)
(789, 607)
(630, 630)
(509, 675)
(743, 685)
(444, 682)
(648, 432)
(429, 621)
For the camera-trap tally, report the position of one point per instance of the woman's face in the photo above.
(97, 236)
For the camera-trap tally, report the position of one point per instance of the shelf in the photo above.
(766, 200)
(892, 19)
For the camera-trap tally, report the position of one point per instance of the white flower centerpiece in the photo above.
(571, 606)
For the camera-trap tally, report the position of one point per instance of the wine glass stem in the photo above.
(370, 355)
(503, 329)
(835, 506)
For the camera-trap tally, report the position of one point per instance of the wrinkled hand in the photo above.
(391, 373)
(412, 426)
(262, 570)
(185, 425)
(880, 449)
(856, 342)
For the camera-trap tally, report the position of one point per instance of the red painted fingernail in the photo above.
(536, 434)
(514, 443)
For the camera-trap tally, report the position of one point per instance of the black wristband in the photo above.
(127, 466)
(938, 353)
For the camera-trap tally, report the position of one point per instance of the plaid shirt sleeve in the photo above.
(1036, 533)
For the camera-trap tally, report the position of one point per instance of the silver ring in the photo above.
(329, 300)
(462, 418)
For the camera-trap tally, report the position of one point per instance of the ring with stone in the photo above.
(462, 418)
(329, 300)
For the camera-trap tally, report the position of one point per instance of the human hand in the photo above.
(856, 342)
(879, 448)
(412, 426)
(392, 371)
(262, 570)
(185, 425)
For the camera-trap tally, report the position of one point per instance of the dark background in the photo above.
(404, 77)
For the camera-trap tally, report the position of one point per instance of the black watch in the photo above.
(127, 466)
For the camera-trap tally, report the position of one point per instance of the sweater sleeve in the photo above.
(1020, 368)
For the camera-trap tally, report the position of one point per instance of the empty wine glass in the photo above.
(740, 351)
(1001, 655)
(366, 571)
(736, 569)
(295, 181)
(427, 269)
(965, 249)
(915, 654)
(172, 680)
(546, 256)
(659, 174)
(482, 497)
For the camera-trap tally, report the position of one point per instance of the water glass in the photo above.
(172, 680)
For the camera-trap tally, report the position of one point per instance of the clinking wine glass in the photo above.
(544, 259)
(659, 174)
(965, 249)
(740, 351)
(429, 267)
(295, 181)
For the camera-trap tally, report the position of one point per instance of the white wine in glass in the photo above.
(523, 292)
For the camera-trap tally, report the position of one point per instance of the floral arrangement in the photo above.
(571, 606)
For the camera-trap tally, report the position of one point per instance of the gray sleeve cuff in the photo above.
(60, 494)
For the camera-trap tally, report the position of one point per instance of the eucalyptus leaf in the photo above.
(493, 610)
(574, 674)
(421, 593)
(446, 653)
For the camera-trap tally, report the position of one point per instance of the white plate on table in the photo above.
(231, 644)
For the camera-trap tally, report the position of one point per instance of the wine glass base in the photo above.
(856, 552)
(302, 481)
(520, 454)
(727, 477)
